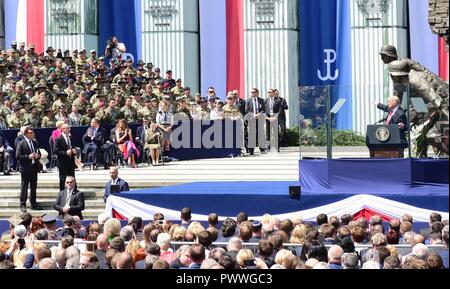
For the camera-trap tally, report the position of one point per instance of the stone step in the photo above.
(44, 193)
(87, 214)
(48, 203)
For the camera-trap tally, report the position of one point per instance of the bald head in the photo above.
(418, 239)
(102, 242)
(60, 257)
(124, 261)
(234, 244)
(47, 263)
(334, 254)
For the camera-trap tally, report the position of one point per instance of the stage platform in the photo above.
(257, 198)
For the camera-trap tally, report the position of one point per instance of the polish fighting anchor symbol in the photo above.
(328, 60)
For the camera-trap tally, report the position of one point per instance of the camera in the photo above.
(249, 263)
(160, 222)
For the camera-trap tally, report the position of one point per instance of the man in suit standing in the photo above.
(396, 115)
(28, 155)
(282, 117)
(254, 109)
(272, 107)
(119, 184)
(95, 138)
(70, 201)
(66, 155)
(5, 154)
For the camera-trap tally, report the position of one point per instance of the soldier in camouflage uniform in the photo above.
(42, 105)
(16, 120)
(183, 111)
(113, 112)
(61, 100)
(129, 112)
(49, 120)
(34, 118)
(230, 110)
(81, 102)
(178, 90)
(150, 109)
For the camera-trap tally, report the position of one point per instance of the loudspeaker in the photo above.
(295, 192)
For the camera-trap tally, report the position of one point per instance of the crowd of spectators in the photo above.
(331, 243)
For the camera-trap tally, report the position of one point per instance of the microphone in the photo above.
(381, 120)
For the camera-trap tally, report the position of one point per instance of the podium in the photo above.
(385, 141)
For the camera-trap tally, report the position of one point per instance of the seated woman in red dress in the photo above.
(124, 140)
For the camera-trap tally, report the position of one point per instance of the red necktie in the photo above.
(389, 117)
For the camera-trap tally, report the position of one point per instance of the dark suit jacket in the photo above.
(249, 105)
(61, 147)
(23, 152)
(112, 135)
(76, 203)
(3, 140)
(276, 105)
(99, 139)
(140, 133)
(240, 103)
(123, 186)
(398, 117)
(18, 139)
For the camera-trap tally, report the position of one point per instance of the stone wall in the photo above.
(438, 17)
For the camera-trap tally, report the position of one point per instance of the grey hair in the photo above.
(126, 233)
(73, 258)
(350, 261)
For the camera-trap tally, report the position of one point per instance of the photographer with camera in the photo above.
(114, 48)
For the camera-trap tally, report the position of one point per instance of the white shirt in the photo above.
(114, 182)
(68, 197)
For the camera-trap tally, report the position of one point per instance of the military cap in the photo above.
(389, 50)
(256, 226)
(22, 44)
(166, 96)
(50, 49)
(49, 218)
(15, 220)
(154, 99)
(140, 62)
(157, 69)
(101, 58)
(178, 80)
(149, 64)
(230, 96)
(169, 71)
(32, 46)
(14, 43)
(93, 51)
(187, 88)
(40, 86)
(398, 68)
(47, 110)
(26, 102)
(28, 88)
(67, 51)
(28, 48)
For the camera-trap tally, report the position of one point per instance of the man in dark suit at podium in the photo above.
(396, 115)
(116, 184)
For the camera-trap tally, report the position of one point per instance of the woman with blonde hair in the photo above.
(164, 119)
(243, 257)
(124, 140)
(195, 227)
(135, 249)
(112, 228)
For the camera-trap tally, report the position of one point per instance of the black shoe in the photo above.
(36, 207)
(23, 209)
(7, 173)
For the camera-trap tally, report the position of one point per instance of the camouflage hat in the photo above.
(50, 49)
